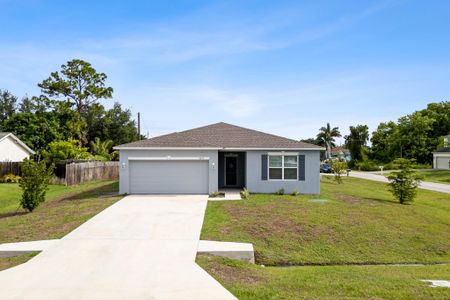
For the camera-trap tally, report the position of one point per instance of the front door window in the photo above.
(230, 170)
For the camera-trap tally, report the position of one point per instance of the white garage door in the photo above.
(442, 163)
(169, 177)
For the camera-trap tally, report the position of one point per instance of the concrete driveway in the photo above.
(142, 247)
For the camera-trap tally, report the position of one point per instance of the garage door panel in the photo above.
(169, 177)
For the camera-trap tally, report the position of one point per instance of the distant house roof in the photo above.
(443, 150)
(220, 136)
(339, 150)
(4, 135)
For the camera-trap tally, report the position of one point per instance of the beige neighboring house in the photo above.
(441, 157)
(12, 148)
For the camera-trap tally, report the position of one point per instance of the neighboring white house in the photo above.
(13, 149)
(206, 159)
(441, 157)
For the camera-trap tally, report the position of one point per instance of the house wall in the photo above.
(311, 184)
(441, 161)
(124, 164)
(10, 150)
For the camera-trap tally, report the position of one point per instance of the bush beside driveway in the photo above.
(65, 209)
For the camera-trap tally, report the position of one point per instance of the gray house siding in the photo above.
(124, 185)
(311, 184)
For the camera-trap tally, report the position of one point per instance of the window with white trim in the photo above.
(283, 167)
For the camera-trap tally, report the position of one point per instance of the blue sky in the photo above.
(285, 67)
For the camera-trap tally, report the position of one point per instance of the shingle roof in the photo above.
(220, 135)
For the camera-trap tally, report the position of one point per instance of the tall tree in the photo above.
(416, 137)
(35, 104)
(77, 83)
(120, 127)
(7, 105)
(356, 141)
(35, 130)
(328, 135)
(386, 142)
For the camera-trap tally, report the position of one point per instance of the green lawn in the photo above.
(361, 223)
(9, 262)
(247, 281)
(65, 209)
(439, 176)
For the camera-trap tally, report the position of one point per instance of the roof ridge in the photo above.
(259, 131)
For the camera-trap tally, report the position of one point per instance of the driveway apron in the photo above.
(142, 247)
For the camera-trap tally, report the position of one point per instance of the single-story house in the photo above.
(441, 159)
(218, 156)
(12, 148)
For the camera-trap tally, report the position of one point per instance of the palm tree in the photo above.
(101, 148)
(327, 135)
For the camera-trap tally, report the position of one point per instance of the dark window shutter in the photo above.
(264, 167)
(301, 167)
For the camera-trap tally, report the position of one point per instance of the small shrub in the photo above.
(245, 194)
(295, 193)
(368, 165)
(339, 168)
(34, 183)
(10, 178)
(403, 184)
(280, 191)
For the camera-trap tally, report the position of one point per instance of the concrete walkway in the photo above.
(426, 185)
(14, 249)
(142, 247)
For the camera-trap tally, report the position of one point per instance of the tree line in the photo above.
(414, 136)
(67, 120)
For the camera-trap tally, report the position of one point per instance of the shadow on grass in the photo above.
(13, 214)
(91, 193)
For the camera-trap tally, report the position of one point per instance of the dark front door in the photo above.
(230, 170)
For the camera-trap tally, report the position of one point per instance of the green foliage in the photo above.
(339, 168)
(72, 124)
(326, 135)
(68, 109)
(280, 191)
(62, 150)
(99, 148)
(245, 194)
(34, 183)
(313, 141)
(36, 130)
(356, 141)
(403, 184)
(7, 105)
(77, 83)
(414, 136)
(295, 193)
(367, 165)
(120, 127)
(10, 178)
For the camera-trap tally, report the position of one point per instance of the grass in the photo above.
(65, 209)
(334, 249)
(432, 175)
(8, 262)
(439, 176)
(247, 281)
(361, 224)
